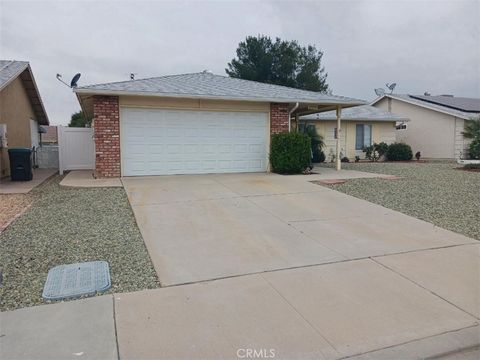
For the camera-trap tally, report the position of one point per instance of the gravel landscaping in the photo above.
(11, 205)
(68, 225)
(434, 192)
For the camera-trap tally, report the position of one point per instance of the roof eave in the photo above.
(38, 95)
(360, 119)
(344, 103)
(13, 77)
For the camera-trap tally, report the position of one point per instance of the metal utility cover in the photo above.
(76, 280)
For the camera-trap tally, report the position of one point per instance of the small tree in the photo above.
(79, 120)
(472, 131)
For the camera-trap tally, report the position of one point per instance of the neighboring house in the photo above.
(361, 127)
(50, 137)
(21, 108)
(192, 123)
(436, 122)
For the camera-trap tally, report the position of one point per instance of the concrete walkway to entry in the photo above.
(86, 178)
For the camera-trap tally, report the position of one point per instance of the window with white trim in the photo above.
(363, 136)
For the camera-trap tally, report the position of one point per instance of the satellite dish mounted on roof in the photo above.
(391, 86)
(379, 91)
(74, 81)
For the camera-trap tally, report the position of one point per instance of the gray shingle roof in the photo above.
(360, 113)
(210, 86)
(9, 70)
(414, 99)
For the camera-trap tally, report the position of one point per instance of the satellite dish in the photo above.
(379, 91)
(75, 79)
(391, 86)
(73, 83)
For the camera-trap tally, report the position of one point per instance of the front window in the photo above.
(363, 136)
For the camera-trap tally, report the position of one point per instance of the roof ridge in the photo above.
(211, 74)
(142, 79)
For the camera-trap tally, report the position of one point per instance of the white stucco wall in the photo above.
(434, 134)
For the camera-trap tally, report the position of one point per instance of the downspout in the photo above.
(290, 116)
(338, 143)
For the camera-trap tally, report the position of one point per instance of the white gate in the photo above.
(76, 148)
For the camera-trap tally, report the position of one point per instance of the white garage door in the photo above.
(161, 142)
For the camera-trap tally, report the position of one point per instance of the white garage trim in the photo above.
(177, 141)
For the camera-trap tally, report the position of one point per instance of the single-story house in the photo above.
(192, 123)
(21, 109)
(361, 127)
(50, 135)
(436, 122)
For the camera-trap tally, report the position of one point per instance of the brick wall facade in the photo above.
(278, 118)
(106, 126)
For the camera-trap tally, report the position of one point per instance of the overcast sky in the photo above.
(423, 46)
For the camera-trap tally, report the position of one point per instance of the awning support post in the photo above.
(339, 132)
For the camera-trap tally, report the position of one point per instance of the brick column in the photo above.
(278, 118)
(106, 129)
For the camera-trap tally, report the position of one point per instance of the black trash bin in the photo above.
(20, 164)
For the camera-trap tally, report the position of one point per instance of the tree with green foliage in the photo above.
(472, 131)
(279, 62)
(78, 120)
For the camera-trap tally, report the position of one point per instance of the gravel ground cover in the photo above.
(11, 205)
(434, 192)
(68, 225)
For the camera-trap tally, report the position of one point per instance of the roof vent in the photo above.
(426, 93)
(206, 71)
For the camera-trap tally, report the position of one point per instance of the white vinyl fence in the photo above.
(76, 148)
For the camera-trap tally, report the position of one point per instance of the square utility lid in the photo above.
(77, 280)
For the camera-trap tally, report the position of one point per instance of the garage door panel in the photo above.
(161, 142)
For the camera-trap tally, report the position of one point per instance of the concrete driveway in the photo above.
(297, 271)
(206, 227)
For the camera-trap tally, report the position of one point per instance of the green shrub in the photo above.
(319, 157)
(399, 152)
(474, 149)
(376, 151)
(290, 153)
(382, 148)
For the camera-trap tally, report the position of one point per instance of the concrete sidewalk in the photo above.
(389, 307)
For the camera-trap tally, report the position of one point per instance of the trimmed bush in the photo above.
(290, 153)
(399, 152)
